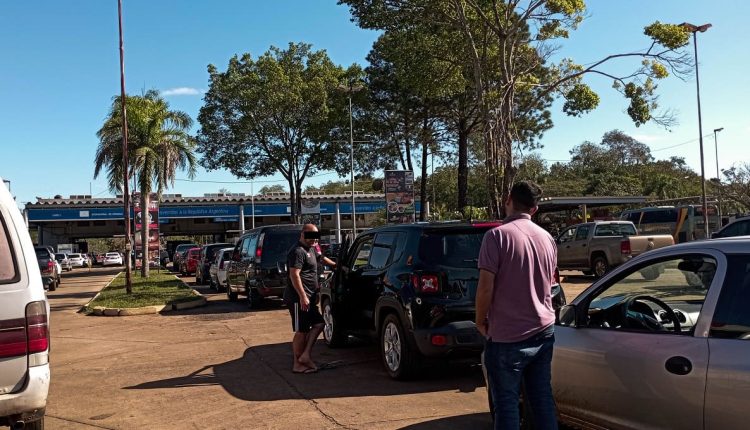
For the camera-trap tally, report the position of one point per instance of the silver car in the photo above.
(662, 342)
(218, 270)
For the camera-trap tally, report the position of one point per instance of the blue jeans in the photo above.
(529, 362)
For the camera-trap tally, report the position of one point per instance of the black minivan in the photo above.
(254, 270)
(413, 288)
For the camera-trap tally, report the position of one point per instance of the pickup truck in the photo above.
(597, 247)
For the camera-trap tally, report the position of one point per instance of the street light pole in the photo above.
(351, 148)
(126, 191)
(718, 174)
(695, 29)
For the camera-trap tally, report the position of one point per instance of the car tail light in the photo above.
(625, 247)
(22, 336)
(439, 340)
(37, 327)
(426, 283)
(50, 268)
(259, 249)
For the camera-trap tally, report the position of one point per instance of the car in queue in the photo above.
(413, 288)
(254, 269)
(24, 322)
(737, 227)
(62, 260)
(189, 263)
(670, 352)
(202, 275)
(179, 254)
(47, 267)
(76, 260)
(218, 269)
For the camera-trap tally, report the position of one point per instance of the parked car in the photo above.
(76, 260)
(99, 259)
(597, 247)
(48, 268)
(189, 263)
(670, 352)
(218, 269)
(413, 288)
(172, 245)
(24, 337)
(179, 254)
(62, 260)
(163, 257)
(738, 227)
(204, 261)
(253, 271)
(112, 259)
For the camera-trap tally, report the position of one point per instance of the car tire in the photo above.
(52, 286)
(35, 425)
(231, 295)
(399, 356)
(333, 335)
(254, 299)
(219, 287)
(599, 266)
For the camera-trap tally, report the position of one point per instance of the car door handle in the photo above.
(679, 365)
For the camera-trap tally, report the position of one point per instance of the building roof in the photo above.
(206, 199)
(552, 204)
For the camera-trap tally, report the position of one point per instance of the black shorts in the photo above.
(303, 321)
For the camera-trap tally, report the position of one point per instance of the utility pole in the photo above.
(126, 191)
(695, 29)
(718, 173)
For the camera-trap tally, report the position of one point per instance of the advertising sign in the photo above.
(310, 212)
(399, 196)
(151, 219)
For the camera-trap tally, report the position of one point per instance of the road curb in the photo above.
(198, 301)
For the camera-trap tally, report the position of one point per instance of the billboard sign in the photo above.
(310, 212)
(399, 196)
(148, 218)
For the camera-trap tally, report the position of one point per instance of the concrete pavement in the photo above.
(225, 367)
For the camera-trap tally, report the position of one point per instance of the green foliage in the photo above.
(158, 289)
(639, 108)
(281, 112)
(670, 36)
(275, 188)
(579, 100)
(566, 7)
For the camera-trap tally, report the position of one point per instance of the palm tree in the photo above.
(158, 146)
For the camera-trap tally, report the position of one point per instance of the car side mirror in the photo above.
(568, 316)
(281, 267)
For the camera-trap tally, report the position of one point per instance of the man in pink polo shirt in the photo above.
(517, 264)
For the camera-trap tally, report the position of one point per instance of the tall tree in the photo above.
(159, 145)
(509, 45)
(281, 112)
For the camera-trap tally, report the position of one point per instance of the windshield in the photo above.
(455, 248)
(60, 256)
(276, 245)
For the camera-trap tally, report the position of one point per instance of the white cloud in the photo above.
(647, 138)
(182, 91)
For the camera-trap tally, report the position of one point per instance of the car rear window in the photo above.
(74, 255)
(454, 248)
(615, 230)
(8, 268)
(276, 244)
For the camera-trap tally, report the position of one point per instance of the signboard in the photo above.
(147, 219)
(399, 196)
(310, 212)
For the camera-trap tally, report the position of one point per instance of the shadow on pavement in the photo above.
(100, 271)
(263, 373)
(473, 421)
(55, 295)
(578, 279)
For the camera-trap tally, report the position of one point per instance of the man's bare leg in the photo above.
(298, 348)
(306, 357)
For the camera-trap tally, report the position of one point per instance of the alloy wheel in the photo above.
(392, 347)
(328, 319)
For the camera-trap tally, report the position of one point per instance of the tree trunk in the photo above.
(292, 200)
(144, 233)
(298, 192)
(423, 182)
(463, 165)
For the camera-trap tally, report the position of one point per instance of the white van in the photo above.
(24, 324)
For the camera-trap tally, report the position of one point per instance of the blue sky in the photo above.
(59, 72)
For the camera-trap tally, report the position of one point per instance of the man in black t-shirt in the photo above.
(301, 295)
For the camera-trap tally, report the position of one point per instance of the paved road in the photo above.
(222, 366)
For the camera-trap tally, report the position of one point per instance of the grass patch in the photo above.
(157, 289)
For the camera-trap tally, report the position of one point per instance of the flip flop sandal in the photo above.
(305, 371)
